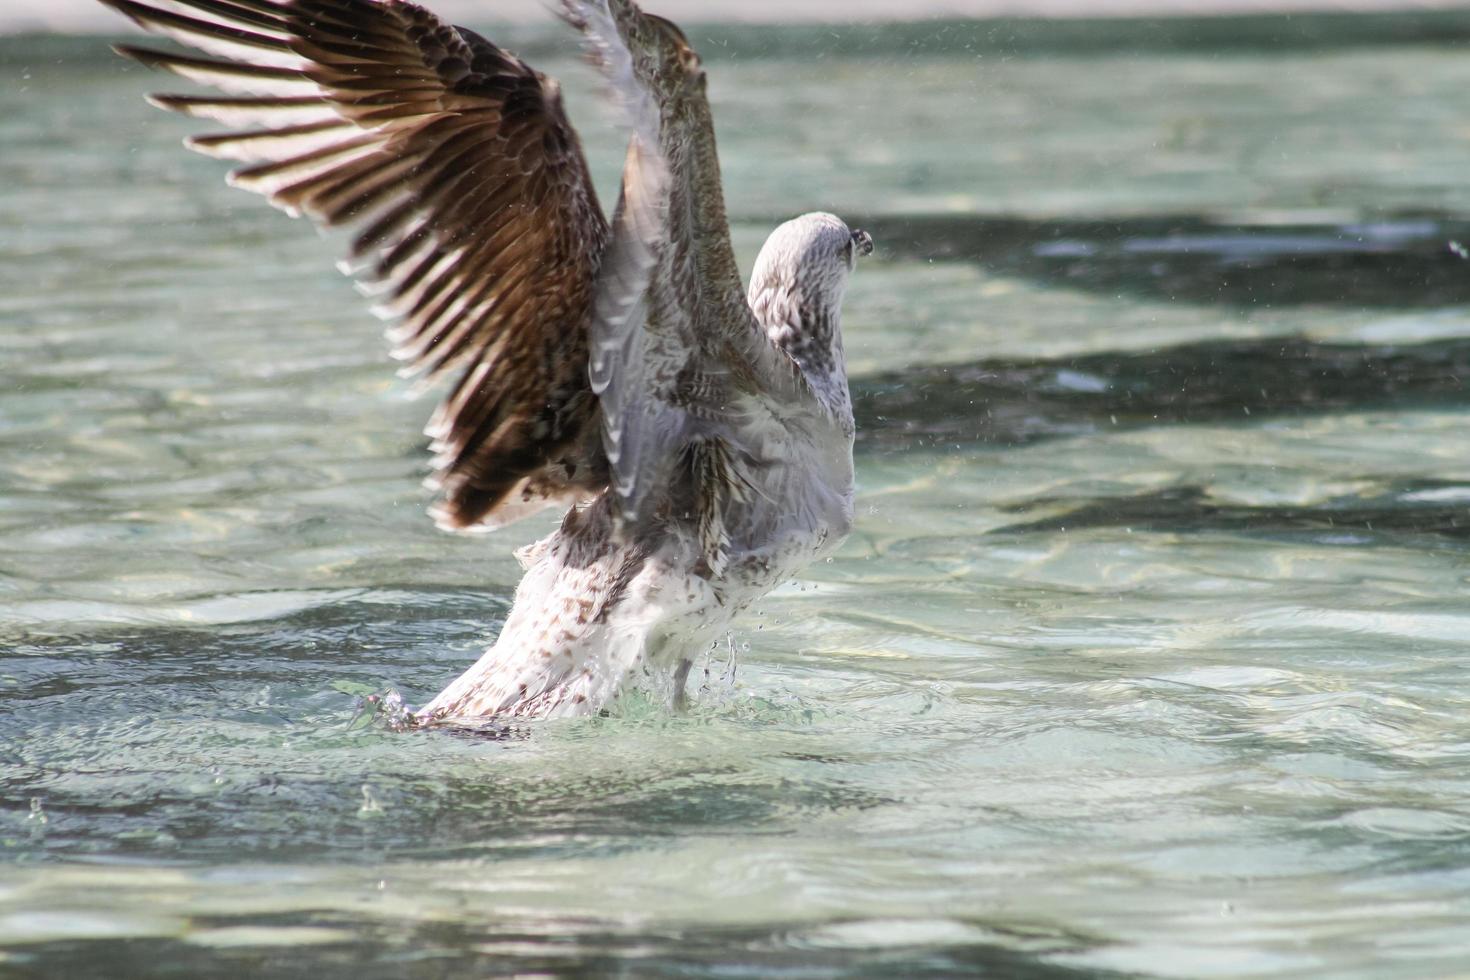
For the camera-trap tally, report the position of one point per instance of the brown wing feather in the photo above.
(482, 235)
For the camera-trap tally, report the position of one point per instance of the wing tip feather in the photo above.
(147, 57)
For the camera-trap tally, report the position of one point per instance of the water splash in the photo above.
(385, 709)
(37, 820)
(370, 806)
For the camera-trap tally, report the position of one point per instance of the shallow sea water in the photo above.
(1146, 658)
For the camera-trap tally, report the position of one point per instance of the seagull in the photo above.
(697, 433)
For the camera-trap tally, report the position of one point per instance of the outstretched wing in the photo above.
(676, 351)
(480, 234)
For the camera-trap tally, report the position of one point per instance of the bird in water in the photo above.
(698, 433)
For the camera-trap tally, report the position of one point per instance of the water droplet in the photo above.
(37, 815)
(370, 806)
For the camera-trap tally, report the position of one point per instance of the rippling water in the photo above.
(1146, 656)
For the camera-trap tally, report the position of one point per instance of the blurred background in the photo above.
(1147, 655)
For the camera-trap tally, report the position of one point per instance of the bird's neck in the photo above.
(811, 334)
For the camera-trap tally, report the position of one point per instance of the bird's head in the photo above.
(799, 280)
(811, 254)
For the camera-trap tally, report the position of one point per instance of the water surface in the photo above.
(1146, 656)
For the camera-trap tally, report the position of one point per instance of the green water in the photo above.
(1146, 657)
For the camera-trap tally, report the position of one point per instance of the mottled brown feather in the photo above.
(481, 232)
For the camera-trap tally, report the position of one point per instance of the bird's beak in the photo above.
(862, 241)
